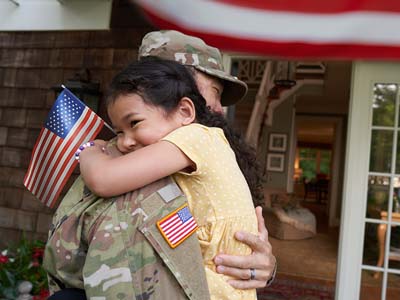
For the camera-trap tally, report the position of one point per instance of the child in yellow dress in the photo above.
(164, 127)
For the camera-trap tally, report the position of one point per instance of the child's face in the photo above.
(139, 124)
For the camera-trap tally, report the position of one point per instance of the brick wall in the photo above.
(30, 65)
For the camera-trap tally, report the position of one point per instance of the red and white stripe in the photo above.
(175, 231)
(53, 160)
(305, 28)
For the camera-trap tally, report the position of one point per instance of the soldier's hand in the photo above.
(261, 259)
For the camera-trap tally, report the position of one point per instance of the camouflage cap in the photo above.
(192, 51)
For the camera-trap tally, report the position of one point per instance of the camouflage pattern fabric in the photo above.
(113, 249)
(192, 51)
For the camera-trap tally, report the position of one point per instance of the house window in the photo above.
(314, 162)
(381, 237)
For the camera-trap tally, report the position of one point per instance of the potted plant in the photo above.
(20, 263)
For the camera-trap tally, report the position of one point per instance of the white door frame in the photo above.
(355, 187)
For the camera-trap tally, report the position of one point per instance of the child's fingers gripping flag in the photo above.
(69, 124)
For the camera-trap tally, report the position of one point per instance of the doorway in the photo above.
(318, 165)
(322, 102)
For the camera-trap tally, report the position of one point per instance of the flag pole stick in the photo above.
(109, 127)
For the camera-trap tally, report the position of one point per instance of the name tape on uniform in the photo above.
(169, 192)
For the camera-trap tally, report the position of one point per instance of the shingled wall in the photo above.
(31, 63)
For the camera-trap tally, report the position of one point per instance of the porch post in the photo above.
(355, 187)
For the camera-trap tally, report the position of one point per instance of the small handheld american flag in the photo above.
(177, 226)
(69, 124)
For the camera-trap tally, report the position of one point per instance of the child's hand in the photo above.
(100, 144)
(91, 150)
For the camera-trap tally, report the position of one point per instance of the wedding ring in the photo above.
(252, 274)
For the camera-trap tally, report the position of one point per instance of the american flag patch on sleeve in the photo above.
(177, 226)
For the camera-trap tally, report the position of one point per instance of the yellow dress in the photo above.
(219, 199)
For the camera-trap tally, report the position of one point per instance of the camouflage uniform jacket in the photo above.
(113, 249)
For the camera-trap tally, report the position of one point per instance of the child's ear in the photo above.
(186, 111)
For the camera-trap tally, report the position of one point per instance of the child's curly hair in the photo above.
(164, 83)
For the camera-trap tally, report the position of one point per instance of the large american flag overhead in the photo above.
(69, 124)
(336, 29)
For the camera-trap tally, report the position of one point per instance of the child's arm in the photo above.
(107, 176)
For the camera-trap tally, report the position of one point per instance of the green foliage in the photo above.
(384, 111)
(310, 158)
(384, 104)
(308, 167)
(381, 151)
(308, 163)
(325, 162)
(23, 262)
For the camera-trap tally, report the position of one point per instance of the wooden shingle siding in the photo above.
(31, 63)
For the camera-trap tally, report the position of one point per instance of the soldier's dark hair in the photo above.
(164, 83)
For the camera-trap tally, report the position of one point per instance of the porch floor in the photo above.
(312, 258)
(315, 259)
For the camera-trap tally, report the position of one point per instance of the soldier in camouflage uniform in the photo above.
(205, 63)
(111, 247)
